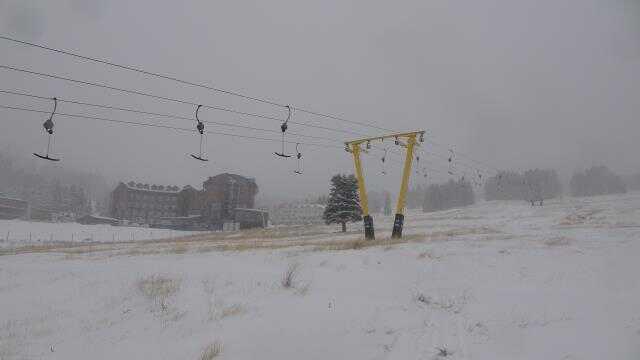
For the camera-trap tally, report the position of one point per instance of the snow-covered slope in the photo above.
(498, 280)
(20, 233)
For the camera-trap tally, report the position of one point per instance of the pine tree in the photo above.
(343, 205)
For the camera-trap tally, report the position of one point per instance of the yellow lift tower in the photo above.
(407, 140)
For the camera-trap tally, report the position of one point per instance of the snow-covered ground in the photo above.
(19, 233)
(498, 280)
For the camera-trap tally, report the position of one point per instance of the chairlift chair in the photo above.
(200, 128)
(283, 128)
(479, 180)
(300, 164)
(48, 127)
(452, 167)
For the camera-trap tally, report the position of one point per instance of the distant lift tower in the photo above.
(407, 140)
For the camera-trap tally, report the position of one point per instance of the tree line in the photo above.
(533, 186)
(50, 188)
(449, 195)
(598, 180)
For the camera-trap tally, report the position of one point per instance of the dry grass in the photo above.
(65, 248)
(558, 241)
(217, 308)
(211, 351)
(279, 232)
(303, 289)
(428, 255)
(179, 248)
(357, 244)
(290, 280)
(579, 217)
(239, 241)
(231, 310)
(289, 276)
(158, 289)
(446, 234)
(218, 311)
(203, 242)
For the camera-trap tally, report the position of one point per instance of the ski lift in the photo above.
(300, 165)
(48, 127)
(368, 145)
(283, 128)
(452, 156)
(475, 180)
(384, 158)
(423, 169)
(479, 180)
(200, 128)
(397, 142)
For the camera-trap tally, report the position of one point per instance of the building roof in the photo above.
(298, 205)
(189, 217)
(169, 189)
(234, 176)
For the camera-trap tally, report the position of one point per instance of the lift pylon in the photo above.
(364, 201)
(407, 140)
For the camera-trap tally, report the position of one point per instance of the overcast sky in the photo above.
(515, 84)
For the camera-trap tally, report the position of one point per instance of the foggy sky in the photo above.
(516, 84)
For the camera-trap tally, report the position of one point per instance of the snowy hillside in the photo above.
(498, 280)
(20, 233)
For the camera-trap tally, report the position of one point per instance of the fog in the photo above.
(516, 85)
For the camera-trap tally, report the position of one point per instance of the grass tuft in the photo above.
(444, 352)
(289, 277)
(558, 241)
(211, 351)
(158, 289)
